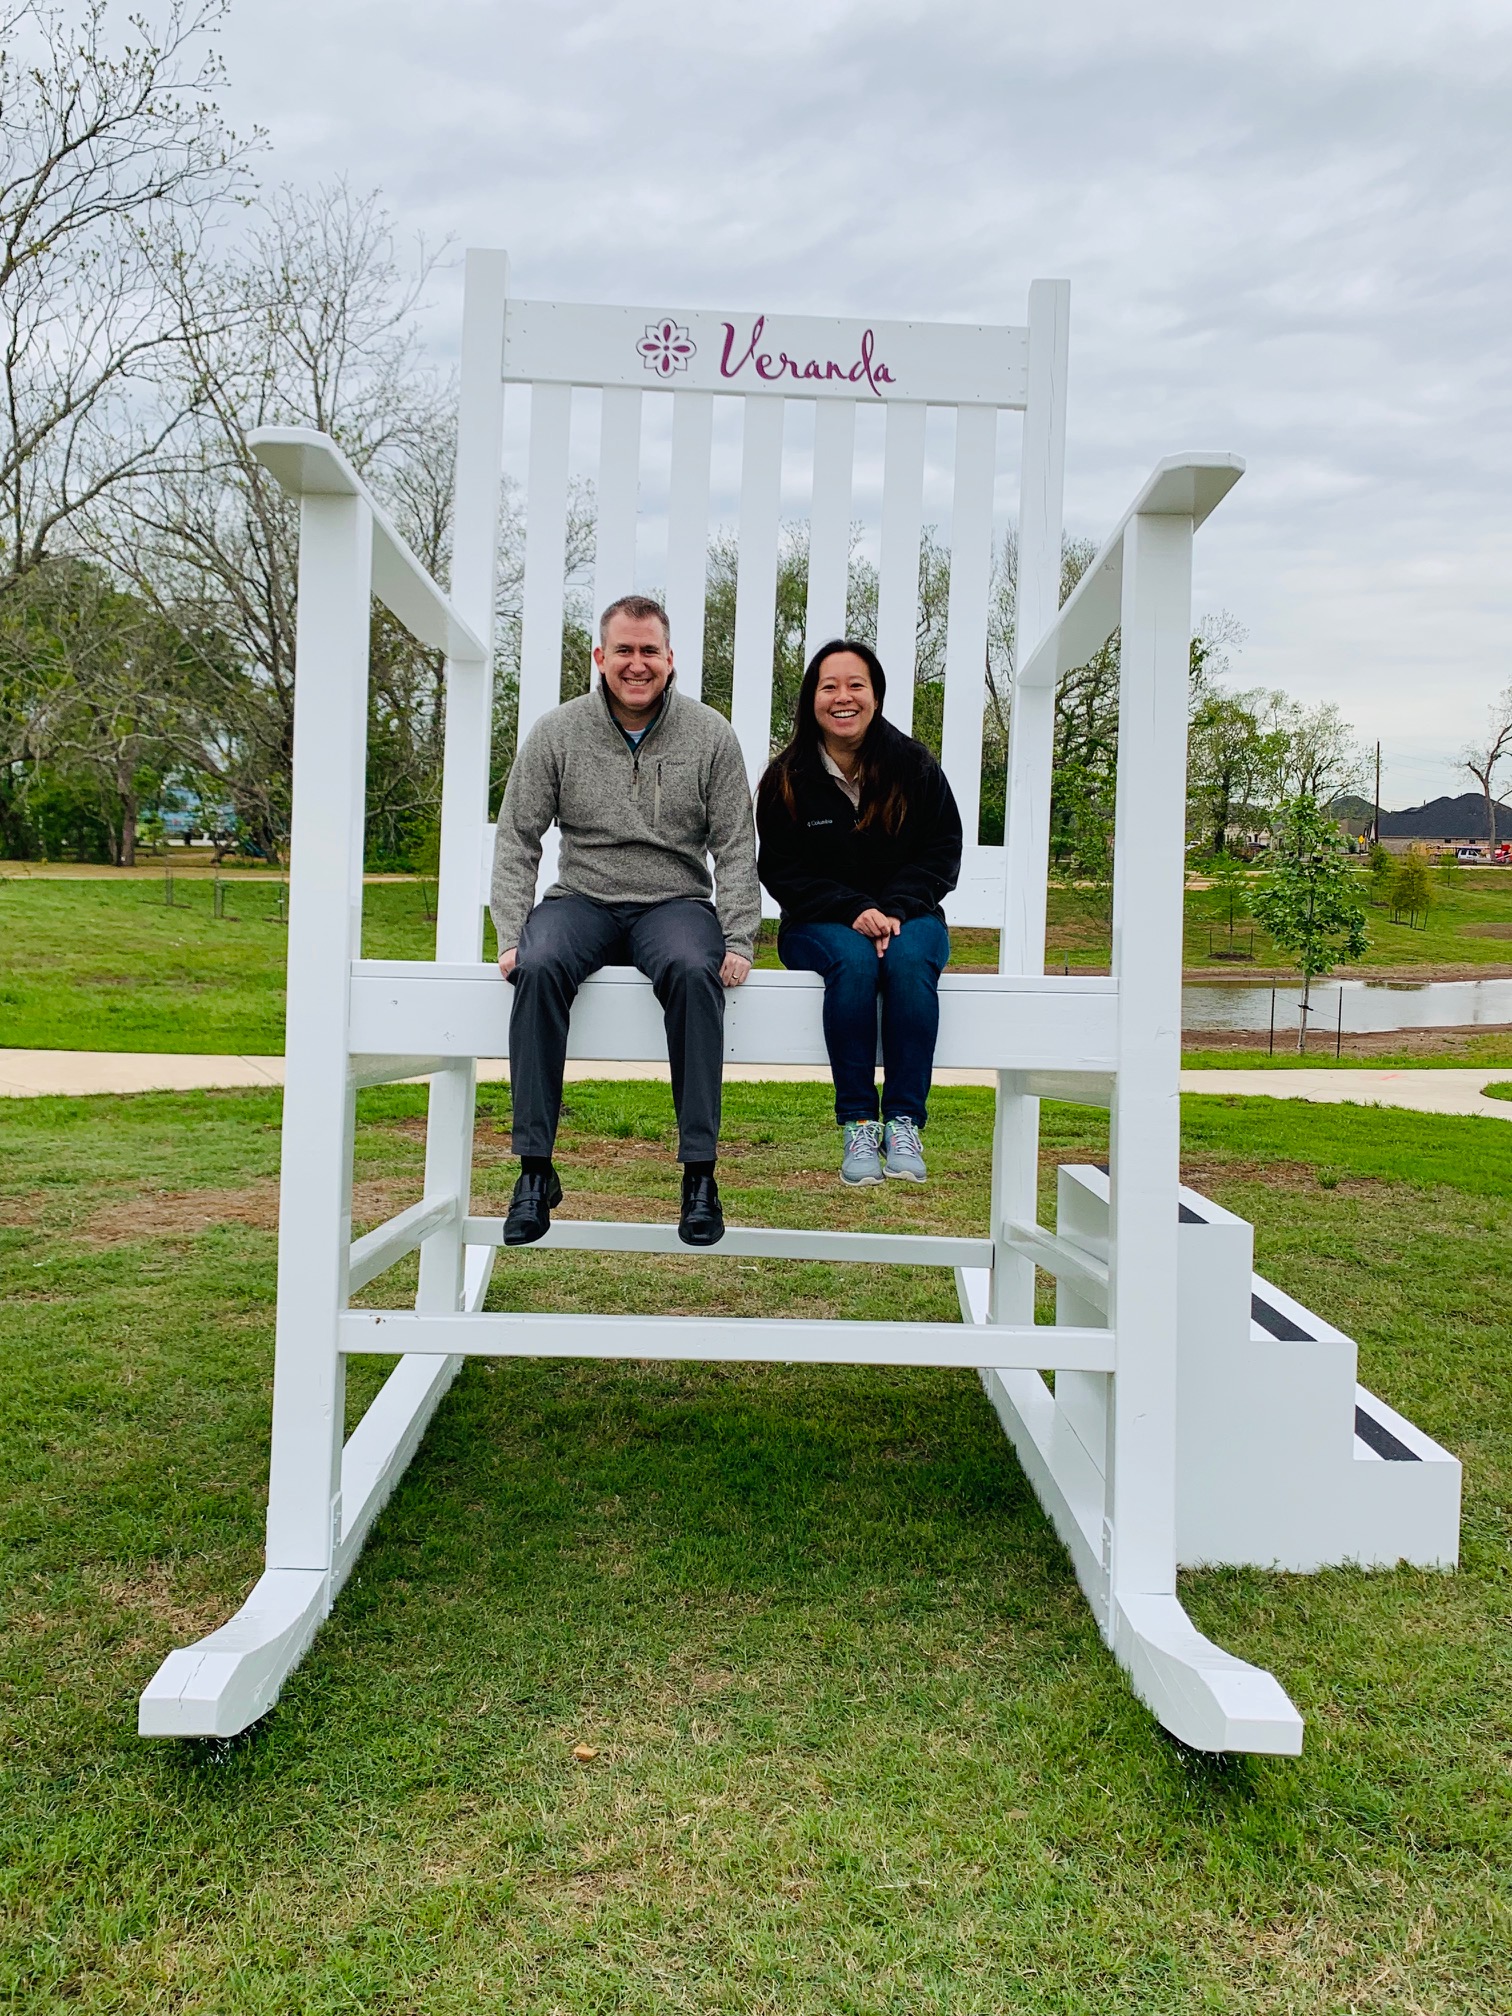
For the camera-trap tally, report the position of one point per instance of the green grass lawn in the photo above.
(102, 965)
(108, 966)
(1431, 1050)
(859, 1748)
(1469, 925)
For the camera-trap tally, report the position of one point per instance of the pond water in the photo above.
(1368, 1005)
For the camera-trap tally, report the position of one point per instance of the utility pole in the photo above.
(1375, 822)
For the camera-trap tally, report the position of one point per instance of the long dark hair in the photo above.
(880, 774)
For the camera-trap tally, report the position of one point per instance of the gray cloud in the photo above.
(1286, 228)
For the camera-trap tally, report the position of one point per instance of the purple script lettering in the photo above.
(867, 366)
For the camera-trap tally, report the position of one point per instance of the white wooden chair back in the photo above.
(766, 362)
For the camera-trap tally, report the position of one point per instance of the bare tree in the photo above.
(312, 325)
(1316, 754)
(1484, 758)
(113, 161)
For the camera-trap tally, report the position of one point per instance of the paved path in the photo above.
(72, 1073)
(1422, 1091)
(35, 1073)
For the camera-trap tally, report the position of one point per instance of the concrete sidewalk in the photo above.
(1421, 1091)
(77, 1073)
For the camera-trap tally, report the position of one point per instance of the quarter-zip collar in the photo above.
(656, 720)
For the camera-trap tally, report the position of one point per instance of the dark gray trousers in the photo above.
(679, 946)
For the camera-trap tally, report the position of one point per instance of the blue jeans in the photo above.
(907, 979)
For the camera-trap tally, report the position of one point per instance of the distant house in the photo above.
(1444, 824)
(1354, 814)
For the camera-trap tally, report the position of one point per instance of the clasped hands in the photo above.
(879, 927)
(732, 968)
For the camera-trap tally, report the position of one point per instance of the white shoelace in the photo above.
(906, 1137)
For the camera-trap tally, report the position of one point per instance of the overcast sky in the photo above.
(1287, 227)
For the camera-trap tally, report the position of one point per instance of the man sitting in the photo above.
(645, 784)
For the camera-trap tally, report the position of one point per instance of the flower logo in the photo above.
(666, 347)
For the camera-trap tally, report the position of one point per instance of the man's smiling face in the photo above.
(635, 660)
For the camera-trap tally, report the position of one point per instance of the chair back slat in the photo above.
(830, 523)
(898, 570)
(688, 534)
(618, 492)
(966, 617)
(756, 582)
(545, 553)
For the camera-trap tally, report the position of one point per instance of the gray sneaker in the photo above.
(905, 1153)
(862, 1161)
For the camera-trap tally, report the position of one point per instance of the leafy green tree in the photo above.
(105, 676)
(1231, 759)
(1308, 899)
(787, 625)
(791, 613)
(1411, 887)
(1381, 871)
(1084, 777)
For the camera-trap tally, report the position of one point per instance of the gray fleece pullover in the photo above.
(637, 825)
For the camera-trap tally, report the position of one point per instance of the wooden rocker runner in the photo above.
(1179, 1429)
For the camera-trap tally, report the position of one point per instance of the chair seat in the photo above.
(988, 1021)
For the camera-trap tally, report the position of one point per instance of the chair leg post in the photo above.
(309, 1372)
(1199, 1692)
(448, 1170)
(229, 1679)
(1015, 1184)
(1145, 1147)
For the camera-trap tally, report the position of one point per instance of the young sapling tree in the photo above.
(1228, 879)
(1411, 889)
(1309, 899)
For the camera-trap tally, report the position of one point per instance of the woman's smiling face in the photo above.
(844, 703)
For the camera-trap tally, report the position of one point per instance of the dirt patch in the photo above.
(1449, 969)
(154, 1592)
(1486, 930)
(380, 1197)
(181, 1214)
(613, 1205)
(1450, 1042)
(612, 1150)
(21, 1213)
(1203, 1177)
(155, 1214)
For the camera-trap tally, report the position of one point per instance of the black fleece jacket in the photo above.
(825, 869)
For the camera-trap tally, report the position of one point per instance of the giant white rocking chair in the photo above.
(1154, 1341)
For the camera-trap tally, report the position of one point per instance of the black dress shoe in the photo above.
(702, 1220)
(530, 1209)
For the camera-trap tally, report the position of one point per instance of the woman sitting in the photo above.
(860, 841)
